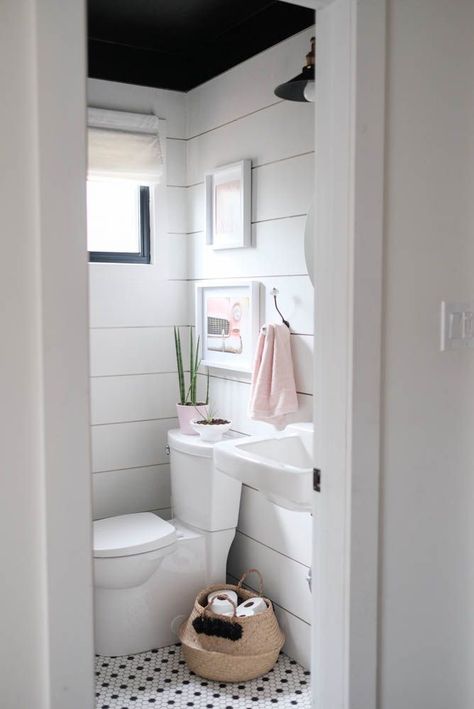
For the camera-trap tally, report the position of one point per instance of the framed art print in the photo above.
(228, 206)
(227, 320)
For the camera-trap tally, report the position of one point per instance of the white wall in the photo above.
(427, 544)
(132, 312)
(46, 650)
(236, 116)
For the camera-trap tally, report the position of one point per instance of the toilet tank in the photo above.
(201, 496)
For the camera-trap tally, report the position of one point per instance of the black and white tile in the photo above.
(160, 679)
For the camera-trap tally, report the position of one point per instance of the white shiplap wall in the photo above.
(232, 117)
(132, 311)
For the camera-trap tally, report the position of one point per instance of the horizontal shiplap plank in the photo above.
(130, 445)
(134, 296)
(134, 350)
(177, 209)
(285, 580)
(279, 190)
(297, 637)
(278, 249)
(222, 99)
(178, 256)
(230, 399)
(283, 530)
(196, 200)
(176, 162)
(133, 397)
(302, 347)
(283, 188)
(250, 138)
(120, 492)
(295, 300)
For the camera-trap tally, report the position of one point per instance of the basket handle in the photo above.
(234, 606)
(260, 579)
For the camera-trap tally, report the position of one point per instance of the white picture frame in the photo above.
(228, 206)
(228, 323)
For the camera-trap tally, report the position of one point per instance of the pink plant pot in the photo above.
(186, 414)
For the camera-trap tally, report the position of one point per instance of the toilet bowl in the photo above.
(147, 571)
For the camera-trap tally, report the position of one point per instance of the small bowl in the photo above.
(211, 432)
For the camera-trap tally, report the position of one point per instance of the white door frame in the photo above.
(350, 120)
(45, 521)
(348, 267)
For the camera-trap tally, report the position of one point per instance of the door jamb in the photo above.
(350, 128)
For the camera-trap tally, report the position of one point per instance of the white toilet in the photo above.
(148, 571)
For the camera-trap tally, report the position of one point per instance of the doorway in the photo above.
(233, 116)
(350, 32)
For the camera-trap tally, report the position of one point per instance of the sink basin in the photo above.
(280, 466)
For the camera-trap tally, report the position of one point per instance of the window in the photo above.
(118, 221)
(124, 159)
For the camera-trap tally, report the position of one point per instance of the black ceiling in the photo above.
(179, 44)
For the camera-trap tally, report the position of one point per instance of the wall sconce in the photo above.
(301, 87)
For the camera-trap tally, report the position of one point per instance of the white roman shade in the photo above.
(124, 146)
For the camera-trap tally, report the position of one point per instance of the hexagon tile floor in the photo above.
(161, 679)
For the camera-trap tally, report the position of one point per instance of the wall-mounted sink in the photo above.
(279, 465)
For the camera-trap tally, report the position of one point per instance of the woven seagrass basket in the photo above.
(231, 649)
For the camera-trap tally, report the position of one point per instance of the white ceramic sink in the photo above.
(279, 465)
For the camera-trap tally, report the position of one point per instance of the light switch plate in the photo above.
(457, 326)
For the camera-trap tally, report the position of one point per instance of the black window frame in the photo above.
(142, 256)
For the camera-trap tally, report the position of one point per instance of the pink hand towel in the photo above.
(273, 391)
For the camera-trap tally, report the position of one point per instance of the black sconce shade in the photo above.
(301, 87)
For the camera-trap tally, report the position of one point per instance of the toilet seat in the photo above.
(131, 534)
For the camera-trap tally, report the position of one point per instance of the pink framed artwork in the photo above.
(228, 206)
(227, 321)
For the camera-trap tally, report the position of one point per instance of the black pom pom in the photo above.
(236, 632)
(212, 626)
(217, 627)
(198, 624)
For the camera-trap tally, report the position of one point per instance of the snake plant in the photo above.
(188, 397)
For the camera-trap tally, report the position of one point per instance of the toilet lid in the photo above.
(131, 534)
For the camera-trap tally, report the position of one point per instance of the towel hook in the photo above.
(276, 292)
